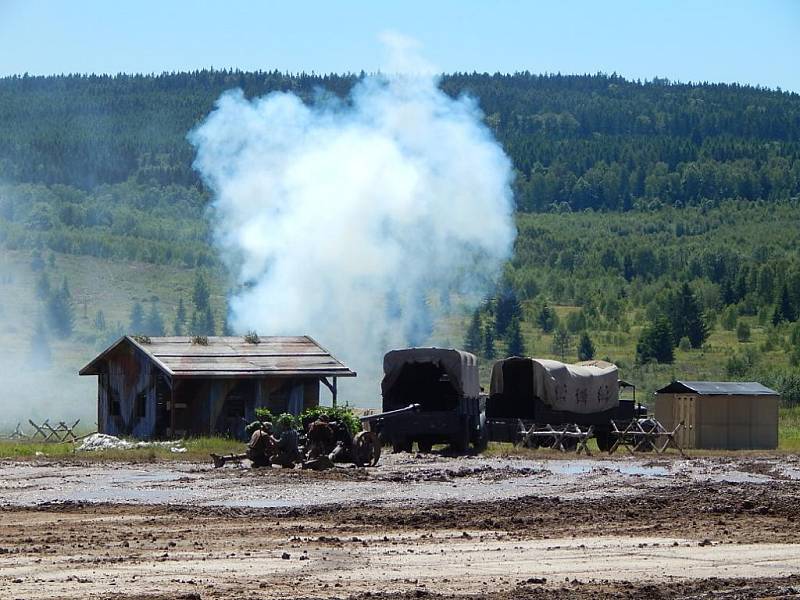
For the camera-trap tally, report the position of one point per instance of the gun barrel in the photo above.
(390, 413)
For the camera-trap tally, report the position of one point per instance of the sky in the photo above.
(755, 42)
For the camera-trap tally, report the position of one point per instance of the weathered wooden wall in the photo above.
(128, 373)
(200, 406)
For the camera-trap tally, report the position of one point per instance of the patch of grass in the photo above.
(197, 449)
(789, 429)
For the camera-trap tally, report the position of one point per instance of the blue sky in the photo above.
(756, 42)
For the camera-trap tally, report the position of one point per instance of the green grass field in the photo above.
(199, 449)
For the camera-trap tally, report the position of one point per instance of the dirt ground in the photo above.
(724, 527)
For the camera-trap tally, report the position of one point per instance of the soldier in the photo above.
(320, 438)
(287, 448)
(259, 448)
(343, 449)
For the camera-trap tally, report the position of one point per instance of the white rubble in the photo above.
(102, 441)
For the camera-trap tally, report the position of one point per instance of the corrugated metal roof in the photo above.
(718, 388)
(233, 356)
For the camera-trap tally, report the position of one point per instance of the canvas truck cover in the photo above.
(460, 366)
(583, 388)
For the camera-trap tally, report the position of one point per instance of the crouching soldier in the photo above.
(287, 448)
(259, 448)
(320, 438)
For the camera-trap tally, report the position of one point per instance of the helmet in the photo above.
(253, 427)
(285, 422)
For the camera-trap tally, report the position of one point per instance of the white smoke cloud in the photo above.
(349, 220)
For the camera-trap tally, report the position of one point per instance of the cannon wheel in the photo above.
(366, 449)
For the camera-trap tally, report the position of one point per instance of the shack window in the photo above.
(237, 399)
(113, 404)
(141, 405)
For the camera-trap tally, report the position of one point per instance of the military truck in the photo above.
(444, 384)
(535, 391)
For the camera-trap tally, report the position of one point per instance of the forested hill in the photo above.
(577, 141)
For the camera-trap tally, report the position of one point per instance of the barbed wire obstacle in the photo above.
(17, 434)
(646, 435)
(62, 432)
(568, 437)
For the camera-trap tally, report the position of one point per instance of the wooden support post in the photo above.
(332, 386)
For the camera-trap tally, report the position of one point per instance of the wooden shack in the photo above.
(166, 387)
(720, 415)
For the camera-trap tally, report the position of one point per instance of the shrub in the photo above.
(264, 414)
(343, 414)
(685, 344)
(743, 332)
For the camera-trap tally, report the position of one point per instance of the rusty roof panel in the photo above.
(234, 356)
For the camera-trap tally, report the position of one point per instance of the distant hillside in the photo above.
(583, 141)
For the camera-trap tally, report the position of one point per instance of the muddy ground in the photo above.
(723, 527)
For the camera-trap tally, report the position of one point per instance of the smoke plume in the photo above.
(362, 221)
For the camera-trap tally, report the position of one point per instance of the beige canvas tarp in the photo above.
(583, 388)
(461, 367)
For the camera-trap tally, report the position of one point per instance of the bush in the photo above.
(342, 414)
(685, 344)
(743, 332)
(265, 415)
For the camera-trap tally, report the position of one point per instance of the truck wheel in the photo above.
(480, 442)
(401, 445)
(425, 446)
(603, 439)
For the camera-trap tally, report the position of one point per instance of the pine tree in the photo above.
(547, 319)
(488, 341)
(201, 294)
(100, 321)
(686, 318)
(195, 324)
(784, 311)
(472, 340)
(60, 314)
(656, 343)
(137, 319)
(179, 328)
(155, 324)
(507, 308)
(585, 347)
(562, 342)
(516, 344)
(209, 327)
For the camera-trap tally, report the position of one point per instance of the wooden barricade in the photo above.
(643, 435)
(62, 432)
(565, 439)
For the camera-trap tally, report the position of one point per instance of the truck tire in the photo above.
(400, 444)
(480, 442)
(425, 446)
(603, 439)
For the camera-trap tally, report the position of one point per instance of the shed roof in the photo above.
(233, 356)
(718, 388)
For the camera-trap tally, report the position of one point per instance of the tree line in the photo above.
(576, 142)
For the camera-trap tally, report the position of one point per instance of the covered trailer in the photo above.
(444, 383)
(540, 391)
